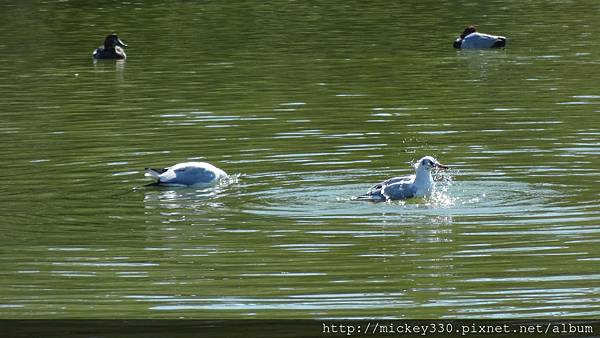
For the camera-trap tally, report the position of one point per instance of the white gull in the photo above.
(188, 173)
(398, 188)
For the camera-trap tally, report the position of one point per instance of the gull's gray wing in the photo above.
(377, 193)
(399, 190)
(194, 175)
(393, 180)
(187, 175)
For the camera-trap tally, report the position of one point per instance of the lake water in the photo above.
(306, 104)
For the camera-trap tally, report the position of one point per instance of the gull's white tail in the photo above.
(154, 173)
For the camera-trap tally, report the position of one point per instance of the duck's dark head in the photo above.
(467, 31)
(458, 42)
(112, 41)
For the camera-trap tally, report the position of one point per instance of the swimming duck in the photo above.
(399, 188)
(471, 39)
(111, 49)
(187, 173)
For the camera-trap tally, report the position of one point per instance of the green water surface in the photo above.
(306, 104)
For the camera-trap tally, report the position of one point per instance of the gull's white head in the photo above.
(428, 163)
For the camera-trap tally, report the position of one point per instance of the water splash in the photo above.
(441, 196)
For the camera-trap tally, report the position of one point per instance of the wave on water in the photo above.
(450, 197)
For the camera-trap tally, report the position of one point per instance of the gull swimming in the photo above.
(471, 39)
(399, 188)
(188, 174)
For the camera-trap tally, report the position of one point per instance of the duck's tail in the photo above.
(500, 42)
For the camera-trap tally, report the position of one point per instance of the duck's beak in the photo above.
(121, 43)
(438, 165)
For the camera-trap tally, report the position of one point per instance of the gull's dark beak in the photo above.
(441, 166)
